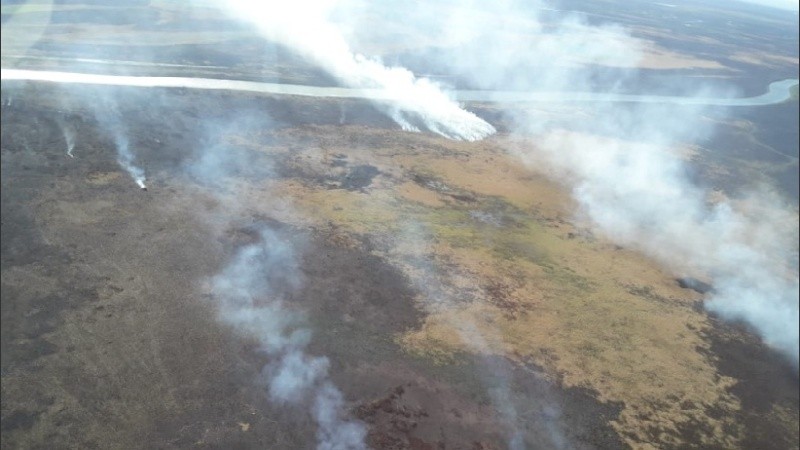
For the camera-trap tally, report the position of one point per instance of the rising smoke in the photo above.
(252, 292)
(640, 195)
(126, 159)
(621, 160)
(627, 176)
(414, 103)
(108, 115)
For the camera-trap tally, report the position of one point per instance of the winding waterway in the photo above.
(777, 92)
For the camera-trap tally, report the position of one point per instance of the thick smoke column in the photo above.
(412, 102)
(250, 292)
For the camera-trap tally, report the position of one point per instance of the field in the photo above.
(460, 296)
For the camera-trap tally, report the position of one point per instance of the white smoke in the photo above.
(252, 291)
(334, 432)
(125, 159)
(640, 195)
(622, 160)
(306, 27)
(69, 135)
(251, 294)
(108, 115)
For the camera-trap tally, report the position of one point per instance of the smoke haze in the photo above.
(623, 160)
(250, 292)
(253, 291)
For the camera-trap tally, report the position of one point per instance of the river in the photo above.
(777, 92)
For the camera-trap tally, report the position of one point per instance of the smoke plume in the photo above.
(125, 159)
(640, 195)
(69, 135)
(414, 103)
(251, 293)
(622, 161)
(107, 113)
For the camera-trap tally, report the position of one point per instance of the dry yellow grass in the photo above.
(537, 285)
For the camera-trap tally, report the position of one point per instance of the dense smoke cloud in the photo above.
(627, 175)
(414, 103)
(622, 160)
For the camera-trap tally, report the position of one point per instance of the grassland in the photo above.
(511, 261)
(451, 255)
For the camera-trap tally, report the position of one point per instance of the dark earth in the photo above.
(108, 343)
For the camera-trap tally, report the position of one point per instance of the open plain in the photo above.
(462, 299)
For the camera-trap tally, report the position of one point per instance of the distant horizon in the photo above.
(788, 5)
